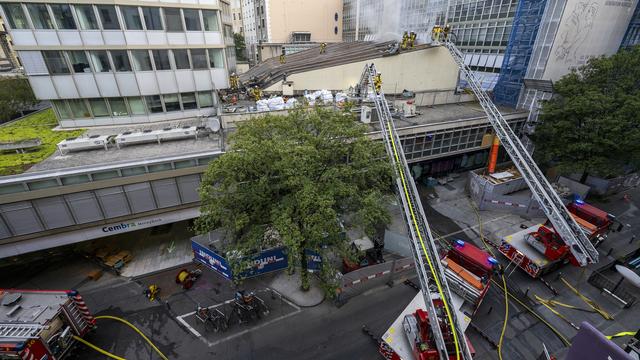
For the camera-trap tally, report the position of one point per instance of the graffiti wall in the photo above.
(588, 28)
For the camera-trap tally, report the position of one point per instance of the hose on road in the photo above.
(136, 330)
(101, 351)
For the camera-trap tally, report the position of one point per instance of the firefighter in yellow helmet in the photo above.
(412, 39)
(405, 41)
(282, 57)
(235, 81)
(377, 83)
(435, 33)
(446, 31)
(323, 47)
(256, 92)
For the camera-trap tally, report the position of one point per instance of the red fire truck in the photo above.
(41, 324)
(539, 250)
(468, 270)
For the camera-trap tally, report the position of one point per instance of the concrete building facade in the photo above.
(124, 62)
(236, 16)
(292, 25)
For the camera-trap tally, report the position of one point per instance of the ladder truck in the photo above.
(446, 340)
(564, 224)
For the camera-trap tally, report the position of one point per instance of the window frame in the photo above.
(62, 57)
(101, 20)
(137, 24)
(198, 20)
(144, 16)
(135, 61)
(49, 19)
(186, 52)
(158, 54)
(168, 25)
(25, 17)
(71, 61)
(70, 13)
(113, 61)
(95, 18)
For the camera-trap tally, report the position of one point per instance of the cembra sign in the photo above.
(128, 226)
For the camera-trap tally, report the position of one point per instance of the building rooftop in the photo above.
(430, 115)
(127, 153)
(271, 70)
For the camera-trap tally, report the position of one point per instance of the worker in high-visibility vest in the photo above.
(323, 47)
(282, 57)
(377, 83)
(405, 41)
(235, 81)
(256, 92)
(446, 31)
(412, 39)
(435, 33)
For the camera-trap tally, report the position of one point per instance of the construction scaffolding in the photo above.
(526, 24)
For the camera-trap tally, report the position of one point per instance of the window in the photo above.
(63, 16)
(234, 16)
(152, 18)
(181, 58)
(205, 99)
(335, 30)
(104, 175)
(173, 19)
(43, 184)
(335, 17)
(99, 107)
(141, 60)
(118, 107)
(161, 58)
(171, 102)
(301, 37)
(184, 164)
(153, 103)
(192, 19)
(86, 17)
(79, 61)
(131, 17)
(62, 109)
(40, 16)
(159, 167)
(108, 17)
(136, 105)
(16, 16)
(75, 179)
(133, 171)
(189, 101)
(78, 108)
(100, 60)
(55, 62)
(210, 18)
(120, 60)
(198, 58)
(215, 58)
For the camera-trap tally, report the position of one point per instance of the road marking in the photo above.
(181, 318)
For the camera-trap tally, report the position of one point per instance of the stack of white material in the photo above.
(291, 103)
(276, 103)
(262, 105)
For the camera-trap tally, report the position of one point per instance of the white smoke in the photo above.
(382, 19)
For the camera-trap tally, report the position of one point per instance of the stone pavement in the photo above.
(289, 287)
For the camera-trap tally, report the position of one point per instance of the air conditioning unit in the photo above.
(176, 133)
(83, 143)
(128, 137)
(365, 114)
(213, 123)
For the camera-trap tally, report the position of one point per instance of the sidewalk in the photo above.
(289, 287)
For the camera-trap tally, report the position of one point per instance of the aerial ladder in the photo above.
(564, 224)
(425, 253)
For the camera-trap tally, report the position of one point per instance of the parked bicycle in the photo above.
(214, 319)
(248, 307)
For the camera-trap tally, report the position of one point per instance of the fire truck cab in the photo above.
(40, 324)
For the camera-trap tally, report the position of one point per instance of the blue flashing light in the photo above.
(579, 201)
(460, 243)
(492, 260)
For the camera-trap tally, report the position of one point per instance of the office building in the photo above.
(273, 25)
(632, 36)
(236, 16)
(124, 62)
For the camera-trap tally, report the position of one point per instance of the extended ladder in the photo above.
(570, 232)
(432, 277)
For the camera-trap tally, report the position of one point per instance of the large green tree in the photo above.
(293, 177)
(591, 125)
(241, 47)
(15, 96)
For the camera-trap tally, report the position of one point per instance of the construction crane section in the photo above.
(448, 338)
(565, 225)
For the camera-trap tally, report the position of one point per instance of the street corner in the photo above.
(229, 319)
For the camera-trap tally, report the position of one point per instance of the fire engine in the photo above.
(539, 249)
(41, 324)
(468, 270)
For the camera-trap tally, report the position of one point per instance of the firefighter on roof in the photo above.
(412, 39)
(405, 41)
(435, 33)
(323, 47)
(256, 93)
(282, 57)
(446, 31)
(235, 81)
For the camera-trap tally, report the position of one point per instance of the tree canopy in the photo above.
(591, 125)
(238, 40)
(295, 176)
(15, 96)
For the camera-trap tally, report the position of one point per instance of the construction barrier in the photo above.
(356, 282)
(490, 196)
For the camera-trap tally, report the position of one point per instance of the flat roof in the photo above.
(429, 115)
(71, 159)
(36, 307)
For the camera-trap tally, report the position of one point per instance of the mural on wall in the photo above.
(578, 28)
